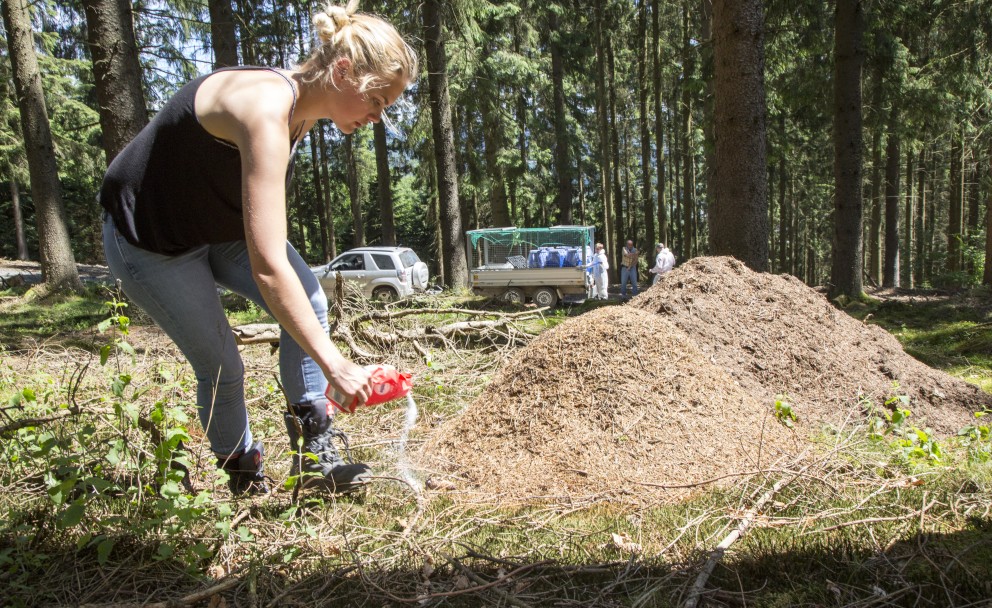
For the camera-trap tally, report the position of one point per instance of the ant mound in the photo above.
(677, 389)
(776, 336)
(616, 404)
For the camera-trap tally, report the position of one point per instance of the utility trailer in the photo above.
(545, 265)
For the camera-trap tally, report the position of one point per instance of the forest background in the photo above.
(836, 141)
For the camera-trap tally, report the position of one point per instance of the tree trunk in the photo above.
(618, 201)
(706, 171)
(675, 142)
(739, 210)
(875, 228)
(453, 243)
(987, 276)
(659, 126)
(492, 142)
(15, 199)
(58, 266)
(295, 201)
(223, 36)
(954, 217)
(354, 192)
(319, 191)
(602, 108)
(936, 180)
(849, 54)
(246, 17)
(328, 206)
(563, 168)
(116, 72)
(688, 186)
(921, 218)
(646, 201)
(783, 215)
(893, 166)
(385, 186)
(974, 192)
(909, 222)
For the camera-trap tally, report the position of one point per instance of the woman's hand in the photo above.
(353, 381)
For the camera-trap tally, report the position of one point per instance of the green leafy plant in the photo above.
(914, 443)
(121, 325)
(977, 439)
(784, 412)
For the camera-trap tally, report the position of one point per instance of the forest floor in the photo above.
(723, 439)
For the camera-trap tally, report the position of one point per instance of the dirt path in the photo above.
(30, 272)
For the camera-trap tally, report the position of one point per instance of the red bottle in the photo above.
(388, 383)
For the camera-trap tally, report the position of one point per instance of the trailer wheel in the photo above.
(513, 295)
(545, 297)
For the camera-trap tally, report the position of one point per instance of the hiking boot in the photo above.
(329, 472)
(245, 471)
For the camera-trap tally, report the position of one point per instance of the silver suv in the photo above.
(381, 273)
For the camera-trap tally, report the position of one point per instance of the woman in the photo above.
(198, 199)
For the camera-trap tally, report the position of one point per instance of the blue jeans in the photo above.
(627, 274)
(179, 292)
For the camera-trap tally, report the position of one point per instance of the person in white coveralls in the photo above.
(664, 261)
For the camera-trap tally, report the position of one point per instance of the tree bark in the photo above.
(116, 72)
(58, 266)
(15, 199)
(893, 165)
(921, 217)
(453, 243)
(688, 185)
(659, 125)
(954, 217)
(385, 186)
(246, 17)
(739, 211)
(492, 141)
(875, 227)
(849, 54)
(783, 214)
(563, 162)
(646, 201)
(909, 222)
(987, 275)
(618, 202)
(223, 35)
(354, 192)
(319, 192)
(974, 192)
(602, 110)
(328, 206)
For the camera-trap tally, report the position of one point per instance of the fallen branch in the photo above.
(22, 423)
(256, 333)
(872, 520)
(387, 315)
(745, 522)
(182, 602)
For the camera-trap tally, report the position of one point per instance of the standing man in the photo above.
(628, 269)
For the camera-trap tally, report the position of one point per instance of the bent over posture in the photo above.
(198, 199)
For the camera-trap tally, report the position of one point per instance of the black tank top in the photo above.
(175, 186)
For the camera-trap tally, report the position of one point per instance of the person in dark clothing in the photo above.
(198, 199)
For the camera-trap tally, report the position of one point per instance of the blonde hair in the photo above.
(378, 53)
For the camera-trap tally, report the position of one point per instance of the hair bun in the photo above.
(333, 19)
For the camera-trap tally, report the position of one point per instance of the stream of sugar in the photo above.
(402, 464)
